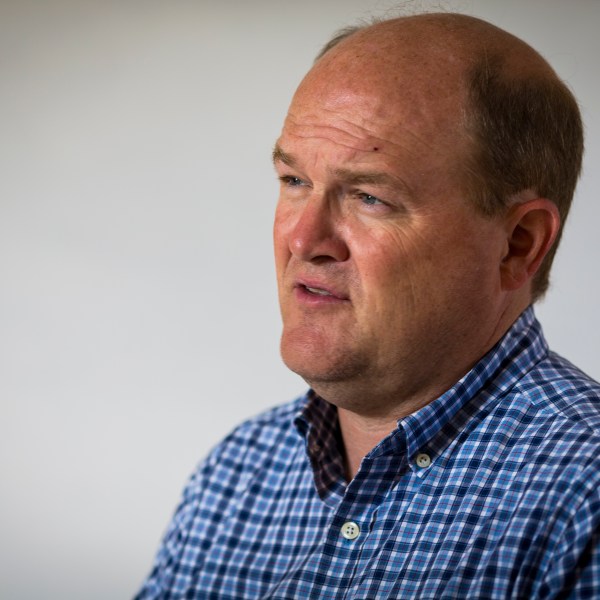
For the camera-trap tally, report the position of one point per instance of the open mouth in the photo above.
(317, 291)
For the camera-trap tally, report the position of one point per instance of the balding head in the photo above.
(436, 51)
(445, 35)
(522, 121)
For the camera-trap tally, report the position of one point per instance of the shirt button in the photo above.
(350, 530)
(423, 460)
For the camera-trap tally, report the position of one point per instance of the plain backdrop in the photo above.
(138, 314)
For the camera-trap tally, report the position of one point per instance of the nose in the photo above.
(316, 236)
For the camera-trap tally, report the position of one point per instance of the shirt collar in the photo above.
(318, 423)
(436, 425)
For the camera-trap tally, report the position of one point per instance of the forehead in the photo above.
(367, 94)
(399, 123)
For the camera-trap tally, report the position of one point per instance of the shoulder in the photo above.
(555, 408)
(561, 392)
(264, 430)
(270, 436)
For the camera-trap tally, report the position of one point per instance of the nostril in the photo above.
(315, 235)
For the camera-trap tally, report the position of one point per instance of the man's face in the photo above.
(388, 277)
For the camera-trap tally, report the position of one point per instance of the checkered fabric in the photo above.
(490, 491)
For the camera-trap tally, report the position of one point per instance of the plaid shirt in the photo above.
(490, 491)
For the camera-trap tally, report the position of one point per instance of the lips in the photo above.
(319, 290)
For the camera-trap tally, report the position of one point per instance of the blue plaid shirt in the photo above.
(490, 491)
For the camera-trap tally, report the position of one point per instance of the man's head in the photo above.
(524, 121)
(410, 226)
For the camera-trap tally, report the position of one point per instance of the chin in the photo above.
(322, 367)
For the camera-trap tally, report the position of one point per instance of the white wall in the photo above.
(138, 317)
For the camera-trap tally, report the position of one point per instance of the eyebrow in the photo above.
(365, 178)
(349, 176)
(280, 156)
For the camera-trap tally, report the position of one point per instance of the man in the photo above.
(426, 164)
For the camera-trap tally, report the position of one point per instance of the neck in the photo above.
(360, 435)
(363, 427)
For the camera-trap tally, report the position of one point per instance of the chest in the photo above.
(392, 533)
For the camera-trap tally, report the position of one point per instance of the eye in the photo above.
(369, 200)
(291, 181)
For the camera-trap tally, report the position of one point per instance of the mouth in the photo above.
(316, 291)
(309, 290)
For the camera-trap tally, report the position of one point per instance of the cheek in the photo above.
(406, 270)
(393, 264)
(281, 231)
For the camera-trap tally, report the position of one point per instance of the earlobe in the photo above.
(532, 227)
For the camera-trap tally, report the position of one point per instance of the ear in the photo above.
(532, 227)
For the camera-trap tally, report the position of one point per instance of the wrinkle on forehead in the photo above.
(345, 133)
(389, 115)
(379, 106)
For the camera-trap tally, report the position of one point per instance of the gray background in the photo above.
(138, 315)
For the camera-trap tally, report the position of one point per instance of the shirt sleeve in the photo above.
(171, 567)
(574, 571)
(205, 505)
(159, 583)
(586, 577)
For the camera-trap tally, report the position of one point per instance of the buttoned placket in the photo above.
(355, 515)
